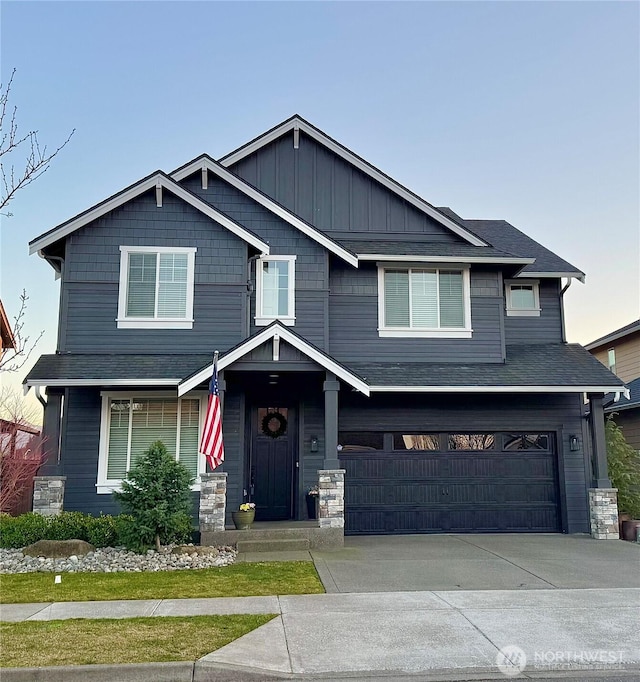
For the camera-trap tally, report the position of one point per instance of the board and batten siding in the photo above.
(547, 328)
(89, 297)
(353, 323)
(558, 413)
(330, 193)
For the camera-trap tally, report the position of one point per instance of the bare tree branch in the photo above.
(37, 159)
(16, 357)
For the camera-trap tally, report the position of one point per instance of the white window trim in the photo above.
(263, 320)
(125, 322)
(419, 332)
(522, 312)
(104, 485)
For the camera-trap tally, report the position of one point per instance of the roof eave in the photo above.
(495, 389)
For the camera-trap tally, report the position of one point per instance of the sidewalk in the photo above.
(440, 633)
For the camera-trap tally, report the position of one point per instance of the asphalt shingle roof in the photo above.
(554, 364)
(117, 367)
(624, 403)
(418, 248)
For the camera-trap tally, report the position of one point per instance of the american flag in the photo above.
(211, 444)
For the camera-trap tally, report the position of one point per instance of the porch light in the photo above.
(574, 443)
(314, 443)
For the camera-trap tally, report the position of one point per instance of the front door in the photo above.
(272, 462)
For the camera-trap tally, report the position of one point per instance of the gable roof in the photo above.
(297, 123)
(285, 334)
(206, 162)
(628, 329)
(157, 179)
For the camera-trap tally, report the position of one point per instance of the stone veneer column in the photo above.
(603, 513)
(331, 498)
(213, 501)
(48, 494)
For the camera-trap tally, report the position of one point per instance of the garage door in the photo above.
(450, 483)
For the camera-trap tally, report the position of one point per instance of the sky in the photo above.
(523, 111)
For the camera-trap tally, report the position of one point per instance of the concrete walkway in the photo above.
(406, 633)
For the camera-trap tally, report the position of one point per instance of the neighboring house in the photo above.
(620, 352)
(6, 333)
(358, 327)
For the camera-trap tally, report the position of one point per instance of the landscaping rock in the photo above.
(118, 560)
(59, 549)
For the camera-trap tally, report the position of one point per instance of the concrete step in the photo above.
(273, 545)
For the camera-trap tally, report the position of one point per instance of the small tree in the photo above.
(21, 450)
(157, 494)
(624, 469)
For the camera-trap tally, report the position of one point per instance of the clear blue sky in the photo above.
(515, 110)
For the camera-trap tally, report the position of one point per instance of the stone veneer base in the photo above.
(603, 513)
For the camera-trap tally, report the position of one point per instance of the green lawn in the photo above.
(237, 580)
(130, 640)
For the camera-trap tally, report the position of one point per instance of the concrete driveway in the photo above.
(401, 563)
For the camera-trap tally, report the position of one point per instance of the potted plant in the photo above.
(312, 502)
(243, 518)
(624, 472)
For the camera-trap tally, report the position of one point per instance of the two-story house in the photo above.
(620, 352)
(359, 327)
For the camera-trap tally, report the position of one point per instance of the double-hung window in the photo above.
(156, 287)
(523, 298)
(275, 290)
(131, 423)
(424, 302)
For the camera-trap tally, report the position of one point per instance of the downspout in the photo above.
(43, 402)
(59, 276)
(250, 289)
(562, 292)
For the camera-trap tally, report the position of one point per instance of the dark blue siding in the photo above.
(544, 329)
(92, 272)
(353, 323)
(325, 190)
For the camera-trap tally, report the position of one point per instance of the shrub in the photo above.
(624, 469)
(103, 531)
(68, 526)
(19, 531)
(157, 495)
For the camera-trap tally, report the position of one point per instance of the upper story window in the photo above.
(611, 360)
(275, 296)
(424, 302)
(156, 287)
(523, 298)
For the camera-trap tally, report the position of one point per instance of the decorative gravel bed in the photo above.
(114, 560)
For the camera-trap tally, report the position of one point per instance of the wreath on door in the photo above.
(274, 424)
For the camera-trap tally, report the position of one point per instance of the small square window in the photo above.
(523, 298)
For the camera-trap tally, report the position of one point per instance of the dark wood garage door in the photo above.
(466, 483)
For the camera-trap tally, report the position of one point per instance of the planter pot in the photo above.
(243, 519)
(621, 519)
(630, 530)
(312, 509)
